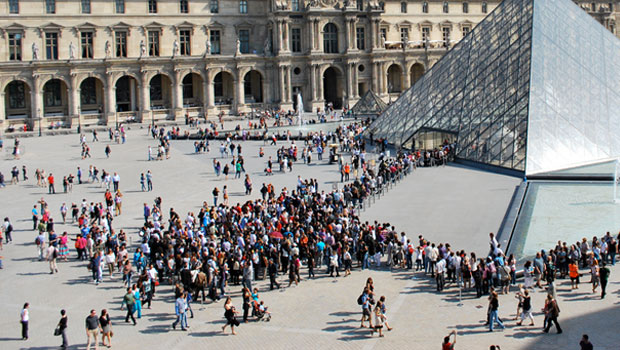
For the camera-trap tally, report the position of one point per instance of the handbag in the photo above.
(111, 333)
(57, 331)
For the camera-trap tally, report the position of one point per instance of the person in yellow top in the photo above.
(573, 273)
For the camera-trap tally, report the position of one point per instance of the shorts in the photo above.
(366, 312)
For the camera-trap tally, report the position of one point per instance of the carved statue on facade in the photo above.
(175, 48)
(267, 46)
(108, 49)
(35, 51)
(208, 45)
(142, 49)
(238, 50)
(71, 51)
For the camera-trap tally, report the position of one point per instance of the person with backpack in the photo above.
(8, 229)
(40, 242)
(364, 301)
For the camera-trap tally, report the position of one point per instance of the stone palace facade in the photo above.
(87, 62)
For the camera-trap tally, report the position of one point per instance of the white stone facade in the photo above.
(85, 62)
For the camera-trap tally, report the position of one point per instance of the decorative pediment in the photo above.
(120, 26)
(153, 26)
(425, 24)
(51, 27)
(214, 25)
(183, 26)
(444, 24)
(403, 24)
(244, 25)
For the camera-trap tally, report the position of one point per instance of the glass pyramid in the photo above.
(369, 104)
(535, 87)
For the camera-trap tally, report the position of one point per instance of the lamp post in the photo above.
(40, 118)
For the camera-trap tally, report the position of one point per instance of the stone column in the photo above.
(210, 90)
(74, 98)
(317, 34)
(320, 84)
(406, 80)
(378, 34)
(313, 86)
(36, 102)
(281, 83)
(311, 34)
(356, 92)
(384, 77)
(373, 75)
(145, 98)
(110, 95)
(285, 41)
(350, 68)
(205, 96)
(177, 93)
(353, 34)
(2, 111)
(239, 92)
(347, 35)
(289, 88)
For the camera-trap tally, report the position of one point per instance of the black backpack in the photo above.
(360, 299)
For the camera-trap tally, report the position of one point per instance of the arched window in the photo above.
(330, 38)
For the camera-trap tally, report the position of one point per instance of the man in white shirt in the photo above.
(441, 268)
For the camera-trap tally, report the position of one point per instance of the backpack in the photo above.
(37, 240)
(360, 299)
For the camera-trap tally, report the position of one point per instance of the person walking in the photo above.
(585, 343)
(527, 308)
(604, 278)
(494, 307)
(50, 181)
(106, 328)
(447, 345)
(229, 313)
(594, 270)
(149, 180)
(378, 321)
(8, 230)
(92, 329)
(365, 302)
(62, 329)
(52, 255)
(273, 273)
(383, 312)
(24, 318)
(552, 311)
(180, 308)
(129, 300)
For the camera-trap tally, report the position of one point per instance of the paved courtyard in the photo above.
(446, 204)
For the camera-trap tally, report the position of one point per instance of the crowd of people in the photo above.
(228, 246)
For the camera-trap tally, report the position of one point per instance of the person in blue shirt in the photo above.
(366, 308)
(35, 217)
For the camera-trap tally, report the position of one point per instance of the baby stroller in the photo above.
(259, 310)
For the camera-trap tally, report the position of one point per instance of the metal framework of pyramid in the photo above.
(535, 87)
(369, 105)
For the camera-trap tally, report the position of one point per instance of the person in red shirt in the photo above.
(446, 345)
(50, 181)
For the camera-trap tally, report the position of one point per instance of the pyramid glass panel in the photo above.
(535, 87)
(369, 105)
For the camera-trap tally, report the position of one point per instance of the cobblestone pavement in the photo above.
(321, 313)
